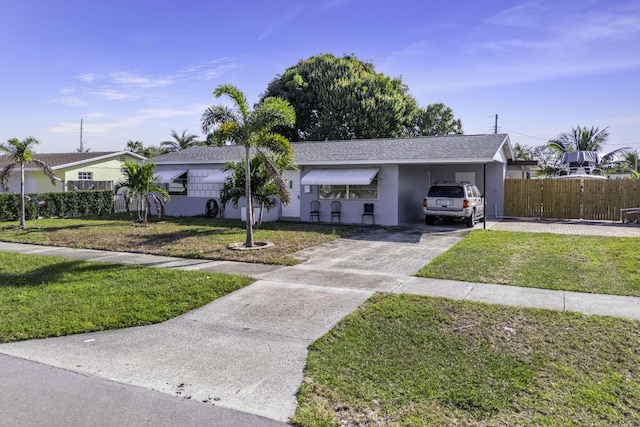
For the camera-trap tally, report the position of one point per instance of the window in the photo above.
(85, 176)
(177, 186)
(347, 191)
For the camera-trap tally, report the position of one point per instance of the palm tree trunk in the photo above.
(247, 187)
(22, 210)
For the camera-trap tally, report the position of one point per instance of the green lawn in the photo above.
(187, 237)
(49, 296)
(403, 360)
(604, 265)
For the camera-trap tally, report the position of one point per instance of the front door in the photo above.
(292, 210)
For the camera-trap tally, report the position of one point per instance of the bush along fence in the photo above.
(587, 199)
(47, 205)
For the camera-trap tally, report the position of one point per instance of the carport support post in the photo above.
(484, 189)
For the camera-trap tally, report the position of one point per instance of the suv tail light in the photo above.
(466, 204)
(424, 202)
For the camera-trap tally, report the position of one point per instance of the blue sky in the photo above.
(137, 69)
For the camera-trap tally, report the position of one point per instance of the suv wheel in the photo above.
(429, 220)
(471, 219)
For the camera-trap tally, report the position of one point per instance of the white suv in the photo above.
(453, 199)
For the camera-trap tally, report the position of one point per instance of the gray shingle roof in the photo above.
(430, 149)
(57, 160)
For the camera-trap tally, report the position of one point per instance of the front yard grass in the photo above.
(50, 296)
(603, 265)
(187, 237)
(405, 360)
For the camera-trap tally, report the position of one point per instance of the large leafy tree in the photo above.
(238, 124)
(343, 98)
(436, 119)
(180, 142)
(20, 153)
(138, 188)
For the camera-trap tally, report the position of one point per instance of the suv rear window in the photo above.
(451, 191)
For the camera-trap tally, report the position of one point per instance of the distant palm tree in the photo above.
(138, 188)
(581, 139)
(631, 160)
(241, 126)
(20, 153)
(134, 147)
(180, 142)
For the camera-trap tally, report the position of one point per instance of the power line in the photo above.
(528, 136)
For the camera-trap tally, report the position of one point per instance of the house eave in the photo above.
(396, 162)
(91, 160)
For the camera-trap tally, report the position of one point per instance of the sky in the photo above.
(138, 69)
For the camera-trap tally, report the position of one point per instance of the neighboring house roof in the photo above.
(428, 149)
(64, 160)
(519, 162)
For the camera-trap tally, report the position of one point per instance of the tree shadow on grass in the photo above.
(52, 273)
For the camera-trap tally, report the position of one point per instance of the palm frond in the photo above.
(215, 115)
(278, 180)
(275, 143)
(46, 169)
(235, 94)
(272, 112)
(6, 174)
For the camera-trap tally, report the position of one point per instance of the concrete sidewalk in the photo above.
(247, 350)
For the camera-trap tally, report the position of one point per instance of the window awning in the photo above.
(168, 175)
(217, 177)
(360, 176)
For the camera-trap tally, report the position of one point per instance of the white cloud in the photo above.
(71, 101)
(88, 78)
(111, 94)
(208, 70)
(126, 120)
(133, 79)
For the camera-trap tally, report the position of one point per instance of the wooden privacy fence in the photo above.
(590, 199)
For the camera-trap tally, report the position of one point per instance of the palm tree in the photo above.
(631, 160)
(241, 126)
(134, 147)
(20, 153)
(263, 184)
(138, 188)
(581, 139)
(585, 144)
(180, 142)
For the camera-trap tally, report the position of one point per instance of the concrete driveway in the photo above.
(377, 260)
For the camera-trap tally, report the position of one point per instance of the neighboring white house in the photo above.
(73, 171)
(522, 169)
(393, 174)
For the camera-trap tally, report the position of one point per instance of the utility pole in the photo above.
(495, 126)
(81, 146)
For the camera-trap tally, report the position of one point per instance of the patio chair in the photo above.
(335, 210)
(368, 211)
(315, 211)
